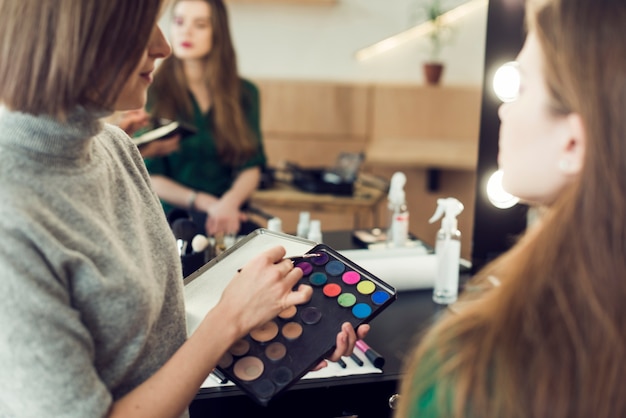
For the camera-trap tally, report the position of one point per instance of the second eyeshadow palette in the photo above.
(274, 356)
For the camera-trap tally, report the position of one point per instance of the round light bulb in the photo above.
(497, 195)
(506, 81)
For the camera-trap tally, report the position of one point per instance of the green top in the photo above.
(427, 403)
(197, 164)
(425, 406)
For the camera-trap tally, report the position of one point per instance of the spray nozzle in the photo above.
(451, 208)
(396, 189)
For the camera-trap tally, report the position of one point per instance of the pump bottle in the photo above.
(447, 250)
(398, 231)
(315, 231)
(302, 229)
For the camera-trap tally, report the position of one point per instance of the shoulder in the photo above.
(248, 86)
(121, 147)
(249, 90)
(115, 136)
(249, 95)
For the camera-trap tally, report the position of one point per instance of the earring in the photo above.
(565, 165)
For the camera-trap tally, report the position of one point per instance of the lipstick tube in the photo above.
(377, 360)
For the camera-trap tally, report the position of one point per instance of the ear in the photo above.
(574, 145)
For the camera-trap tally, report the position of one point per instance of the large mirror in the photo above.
(307, 54)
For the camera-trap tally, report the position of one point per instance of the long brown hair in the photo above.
(55, 55)
(550, 341)
(235, 139)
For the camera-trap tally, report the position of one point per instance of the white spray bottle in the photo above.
(398, 231)
(447, 250)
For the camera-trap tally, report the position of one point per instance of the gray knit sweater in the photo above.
(90, 279)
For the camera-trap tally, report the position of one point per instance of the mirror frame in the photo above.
(495, 230)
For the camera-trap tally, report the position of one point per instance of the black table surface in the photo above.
(393, 334)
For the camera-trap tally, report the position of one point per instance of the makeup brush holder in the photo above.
(192, 262)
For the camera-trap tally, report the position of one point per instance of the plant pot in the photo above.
(433, 72)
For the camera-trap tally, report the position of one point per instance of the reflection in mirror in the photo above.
(318, 100)
(506, 82)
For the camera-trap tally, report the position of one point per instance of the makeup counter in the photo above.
(393, 334)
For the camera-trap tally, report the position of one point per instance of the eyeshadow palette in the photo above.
(274, 356)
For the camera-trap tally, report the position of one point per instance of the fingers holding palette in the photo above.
(274, 356)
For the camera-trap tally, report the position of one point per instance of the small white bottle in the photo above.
(302, 230)
(398, 231)
(448, 251)
(315, 231)
(275, 225)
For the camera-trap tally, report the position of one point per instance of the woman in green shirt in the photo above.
(217, 169)
(547, 335)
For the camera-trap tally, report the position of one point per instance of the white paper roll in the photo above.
(402, 268)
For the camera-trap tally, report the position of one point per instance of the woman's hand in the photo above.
(224, 217)
(264, 287)
(160, 147)
(261, 290)
(132, 120)
(346, 339)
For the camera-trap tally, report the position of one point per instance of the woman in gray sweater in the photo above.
(92, 319)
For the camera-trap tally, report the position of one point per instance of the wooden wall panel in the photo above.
(314, 108)
(400, 111)
(310, 122)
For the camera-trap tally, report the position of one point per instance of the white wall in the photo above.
(319, 42)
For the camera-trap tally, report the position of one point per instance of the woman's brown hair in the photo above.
(56, 55)
(235, 139)
(550, 341)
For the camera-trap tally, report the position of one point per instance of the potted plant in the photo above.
(438, 37)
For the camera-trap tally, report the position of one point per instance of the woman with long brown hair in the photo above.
(215, 171)
(547, 336)
(92, 313)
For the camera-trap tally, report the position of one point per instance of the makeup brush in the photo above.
(199, 243)
(296, 258)
(184, 231)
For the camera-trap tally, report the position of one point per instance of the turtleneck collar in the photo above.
(49, 137)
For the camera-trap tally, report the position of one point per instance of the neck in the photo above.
(194, 71)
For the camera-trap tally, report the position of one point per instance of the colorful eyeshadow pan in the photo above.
(275, 351)
(240, 348)
(288, 313)
(282, 375)
(263, 388)
(248, 368)
(320, 260)
(380, 297)
(226, 360)
(318, 279)
(346, 300)
(361, 310)
(292, 330)
(265, 332)
(306, 268)
(332, 289)
(351, 277)
(311, 315)
(272, 357)
(335, 268)
(366, 287)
